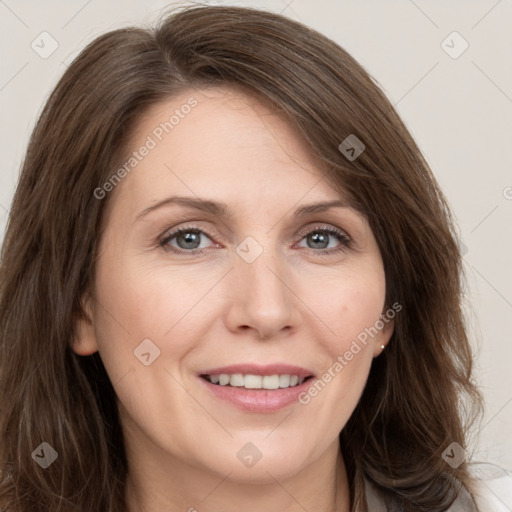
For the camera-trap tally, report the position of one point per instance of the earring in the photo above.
(383, 347)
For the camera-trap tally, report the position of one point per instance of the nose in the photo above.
(262, 297)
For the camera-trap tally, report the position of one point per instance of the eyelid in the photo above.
(325, 227)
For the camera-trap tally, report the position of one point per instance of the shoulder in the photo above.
(492, 491)
(492, 487)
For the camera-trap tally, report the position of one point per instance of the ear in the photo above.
(384, 335)
(84, 342)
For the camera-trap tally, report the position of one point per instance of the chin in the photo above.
(261, 462)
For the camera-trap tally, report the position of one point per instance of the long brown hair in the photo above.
(411, 408)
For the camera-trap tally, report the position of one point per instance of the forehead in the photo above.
(229, 144)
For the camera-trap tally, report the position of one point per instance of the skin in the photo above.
(214, 309)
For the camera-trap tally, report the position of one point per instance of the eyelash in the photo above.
(345, 241)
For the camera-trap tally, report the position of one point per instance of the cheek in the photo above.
(142, 313)
(135, 304)
(348, 303)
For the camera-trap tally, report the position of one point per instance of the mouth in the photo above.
(259, 389)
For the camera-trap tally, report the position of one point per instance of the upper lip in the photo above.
(256, 369)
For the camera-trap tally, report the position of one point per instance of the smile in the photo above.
(257, 388)
(249, 381)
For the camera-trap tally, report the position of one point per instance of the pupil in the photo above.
(319, 238)
(191, 237)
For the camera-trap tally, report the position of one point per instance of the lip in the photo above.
(258, 400)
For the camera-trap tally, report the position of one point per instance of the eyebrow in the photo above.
(221, 209)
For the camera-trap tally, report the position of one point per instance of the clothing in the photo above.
(493, 492)
(494, 488)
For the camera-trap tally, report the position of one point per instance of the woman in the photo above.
(230, 281)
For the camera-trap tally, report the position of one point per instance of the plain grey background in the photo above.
(455, 100)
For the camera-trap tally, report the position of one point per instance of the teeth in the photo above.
(253, 381)
(271, 382)
(284, 381)
(223, 379)
(236, 380)
(256, 381)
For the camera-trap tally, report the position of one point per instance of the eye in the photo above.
(319, 240)
(187, 239)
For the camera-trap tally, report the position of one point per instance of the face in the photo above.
(255, 290)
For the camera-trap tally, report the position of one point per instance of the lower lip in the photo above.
(258, 400)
